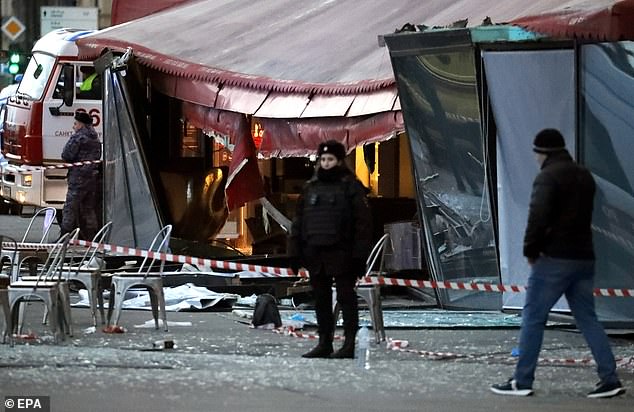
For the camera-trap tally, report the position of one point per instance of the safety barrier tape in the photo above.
(403, 346)
(27, 246)
(483, 287)
(286, 272)
(289, 331)
(169, 257)
(60, 165)
(218, 264)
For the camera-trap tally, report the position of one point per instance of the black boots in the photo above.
(324, 347)
(322, 350)
(350, 325)
(347, 350)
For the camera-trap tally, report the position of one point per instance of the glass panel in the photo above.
(88, 83)
(548, 77)
(438, 94)
(606, 130)
(36, 76)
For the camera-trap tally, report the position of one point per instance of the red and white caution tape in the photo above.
(60, 165)
(8, 246)
(286, 272)
(483, 287)
(218, 264)
(400, 345)
(290, 331)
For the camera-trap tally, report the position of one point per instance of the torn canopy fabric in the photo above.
(614, 22)
(297, 137)
(129, 201)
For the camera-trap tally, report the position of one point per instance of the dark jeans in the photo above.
(549, 279)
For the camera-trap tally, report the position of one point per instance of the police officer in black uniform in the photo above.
(331, 236)
(80, 208)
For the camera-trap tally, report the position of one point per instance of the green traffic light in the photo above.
(15, 58)
(14, 68)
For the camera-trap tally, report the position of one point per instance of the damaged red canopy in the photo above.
(307, 70)
(598, 23)
(126, 10)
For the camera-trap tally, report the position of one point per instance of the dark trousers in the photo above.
(80, 211)
(322, 284)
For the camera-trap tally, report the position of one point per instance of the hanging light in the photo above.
(258, 134)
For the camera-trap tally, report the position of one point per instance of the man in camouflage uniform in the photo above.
(81, 198)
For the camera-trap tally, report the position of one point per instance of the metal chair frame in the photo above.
(371, 294)
(152, 281)
(90, 277)
(47, 227)
(49, 287)
(4, 283)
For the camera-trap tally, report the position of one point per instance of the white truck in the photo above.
(38, 120)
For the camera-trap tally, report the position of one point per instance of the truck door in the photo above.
(57, 117)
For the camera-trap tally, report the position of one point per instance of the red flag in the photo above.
(244, 182)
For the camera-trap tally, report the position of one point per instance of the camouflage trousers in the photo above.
(80, 211)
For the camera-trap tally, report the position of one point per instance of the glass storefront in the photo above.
(606, 133)
(438, 90)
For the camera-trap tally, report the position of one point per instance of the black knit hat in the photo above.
(333, 147)
(549, 141)
(84, 118)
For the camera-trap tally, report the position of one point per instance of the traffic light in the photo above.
(14, 63)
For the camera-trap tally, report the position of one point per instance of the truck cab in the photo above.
(38, 119)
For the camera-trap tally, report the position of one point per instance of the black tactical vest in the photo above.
(327, 213)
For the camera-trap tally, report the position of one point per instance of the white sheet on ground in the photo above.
(184, 297)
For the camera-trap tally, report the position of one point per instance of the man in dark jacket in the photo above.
(331, 236)
(558, 247)
(80, 206)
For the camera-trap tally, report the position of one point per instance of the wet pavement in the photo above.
(220, 364)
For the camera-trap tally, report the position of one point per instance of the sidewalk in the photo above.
(220, 364)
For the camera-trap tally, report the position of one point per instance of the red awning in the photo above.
(126, 10)
(306, 70)
(297, 137)
(598, 23)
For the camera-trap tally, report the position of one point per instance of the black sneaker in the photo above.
(511, 388)
(607, 390)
